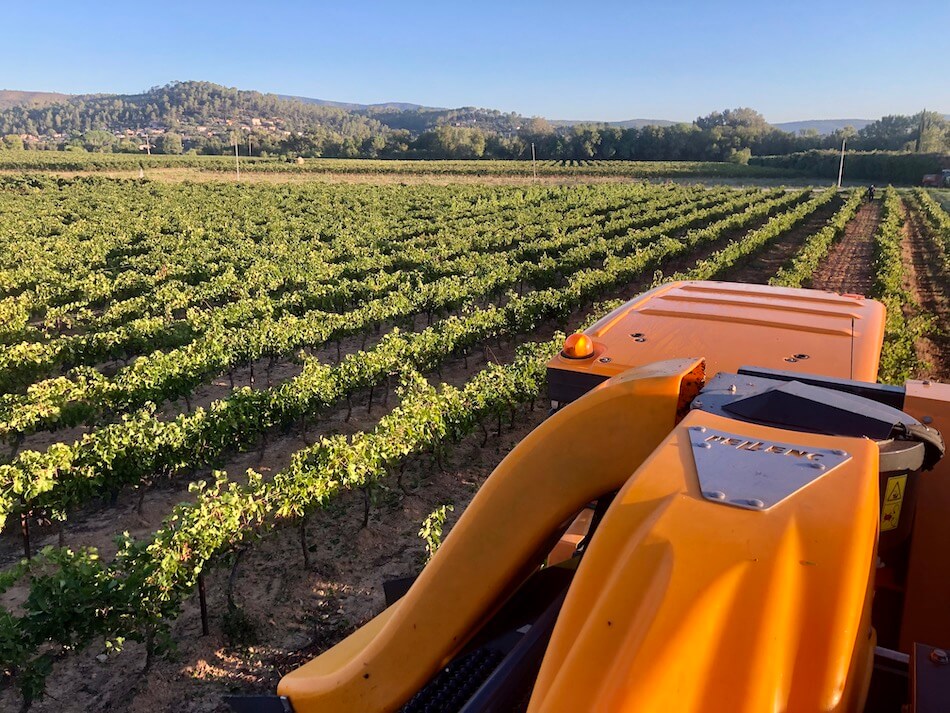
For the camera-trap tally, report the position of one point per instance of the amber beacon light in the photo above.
(578, 346)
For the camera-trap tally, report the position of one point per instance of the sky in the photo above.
(603, 61)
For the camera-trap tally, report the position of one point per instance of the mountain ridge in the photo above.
(28, 98)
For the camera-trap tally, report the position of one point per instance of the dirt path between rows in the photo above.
(848, 267)
(762, 265)
(924, 278)
(687, 260)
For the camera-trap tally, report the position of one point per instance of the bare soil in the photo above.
(682, 263)
(848, 267)
(925, 278)
(762, 265)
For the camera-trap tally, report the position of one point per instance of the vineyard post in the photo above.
(25, 531)
(203, 605)
(237, 164)
(534, 166)
(841, 164)
(303, 541)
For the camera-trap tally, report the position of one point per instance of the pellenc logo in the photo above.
(741, 444)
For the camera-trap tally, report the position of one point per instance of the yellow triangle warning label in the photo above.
(894, 493)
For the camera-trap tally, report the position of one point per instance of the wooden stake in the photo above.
(203, 604)
(25, 530)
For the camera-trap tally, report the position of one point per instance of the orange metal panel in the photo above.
(682, 604)
(587, 449)
(927, 593)
(569, 541)
(735, 325)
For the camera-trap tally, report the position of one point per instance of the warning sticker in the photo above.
(893, 498)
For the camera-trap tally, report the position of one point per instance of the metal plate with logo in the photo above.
(756, 474)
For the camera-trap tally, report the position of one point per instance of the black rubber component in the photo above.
(455, 684)
(804, 407)
(259, 704)
(889, 682)
(892, 396)
(508, 643)
(566, 385)
(395, 589)
(932, 440)
(509, 686)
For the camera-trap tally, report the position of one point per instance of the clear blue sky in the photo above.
(570, 60)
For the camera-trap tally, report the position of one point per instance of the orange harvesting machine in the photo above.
(724, 512)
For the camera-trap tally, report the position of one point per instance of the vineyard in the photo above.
(129, 164)
(226, 409)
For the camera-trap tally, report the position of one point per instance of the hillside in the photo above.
(208, 118)
(349, 106)
(206, 115)
(12, 97)
(199, 106)
(626, 124)
(822, 126)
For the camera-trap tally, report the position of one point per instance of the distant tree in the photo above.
(610, 137)
(13, 141)
(537, 125)
(127, 146)
(171, 143)
(349, 148)
(847, 133)
(740, 156)
(585, 142)
(453, 142)
(933, 133)
(891, 132)
(397, 143)
(373, 146)
(98, 140)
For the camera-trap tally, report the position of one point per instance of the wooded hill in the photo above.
(210, 118)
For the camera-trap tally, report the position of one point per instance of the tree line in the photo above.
(205, 118)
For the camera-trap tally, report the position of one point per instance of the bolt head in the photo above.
(714, 494)
(604, 360)
(755, 502)
(939, 657)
